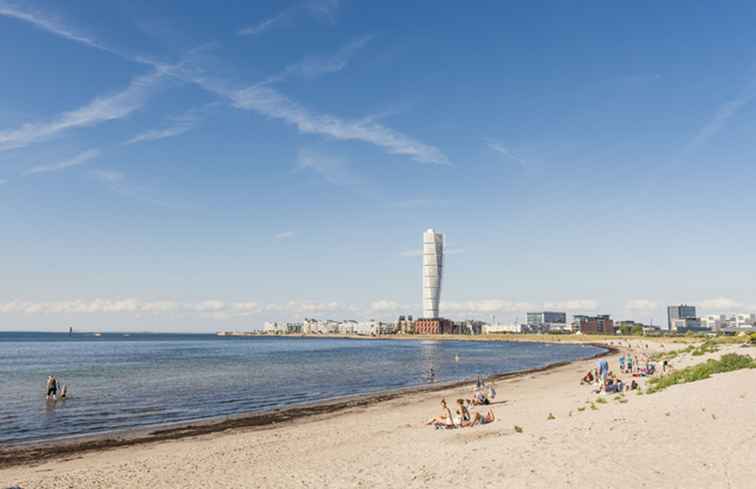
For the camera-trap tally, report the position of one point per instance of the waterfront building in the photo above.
(548, 321)
(504, 328)
(682, 311)
(683, 325)
(405, 325)
(433, 326)
(601, 324)
(433, 269)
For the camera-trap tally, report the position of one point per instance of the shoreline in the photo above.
(36, 452)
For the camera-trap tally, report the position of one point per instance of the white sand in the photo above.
(698, 435)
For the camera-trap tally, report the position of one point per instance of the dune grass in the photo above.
(728, 363)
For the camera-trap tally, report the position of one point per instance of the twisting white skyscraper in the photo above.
(433, 270)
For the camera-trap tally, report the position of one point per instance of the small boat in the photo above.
(98, 334)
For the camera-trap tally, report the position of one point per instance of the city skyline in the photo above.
(278, 161)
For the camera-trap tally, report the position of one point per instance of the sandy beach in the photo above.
(696, 435)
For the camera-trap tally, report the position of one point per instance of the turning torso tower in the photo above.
(433, 268)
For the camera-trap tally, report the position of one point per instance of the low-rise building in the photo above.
(504, 328)
(433, 326)
(601, 324)
(548, 321)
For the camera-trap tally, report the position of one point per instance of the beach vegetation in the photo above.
(601, 400)
(581, 408)
(518, 429)
(728, 363)
(594, 407)
(550, 417)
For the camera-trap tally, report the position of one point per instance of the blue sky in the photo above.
(191, 167)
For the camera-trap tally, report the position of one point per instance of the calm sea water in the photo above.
(122, 381)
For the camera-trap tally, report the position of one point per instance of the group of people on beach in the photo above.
(607, 381)
(462, 416)
(54, 388)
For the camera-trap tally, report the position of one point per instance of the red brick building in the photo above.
(433, 326)
(603, 324)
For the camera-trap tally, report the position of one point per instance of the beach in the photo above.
(550, 431)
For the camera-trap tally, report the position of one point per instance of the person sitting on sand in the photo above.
(479, 398)
(633, 385)
(445, 419)
(462, 412)
(588, 379)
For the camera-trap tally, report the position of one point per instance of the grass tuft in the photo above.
(550, 417)
(601, 400)
(518, 429)
(728, 363)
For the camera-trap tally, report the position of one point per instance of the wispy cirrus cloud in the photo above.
(101, 109)
(47, 22)
(268, 102)
(77, 160)
(505, 151)
(333, 169)
(725, 112)
(178, 125)
(314, 66)
(283, 235)
(320, 9)
(721, 304)
(265, 24)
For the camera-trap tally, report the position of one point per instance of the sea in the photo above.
(119, 381)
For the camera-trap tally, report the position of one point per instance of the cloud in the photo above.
(323, 9)
(724, 113)
(315, 66)
(47, 23)
(299, 307)
(77, 160)
(640, 305)
(503, 150)
(284, 235)
(265, 24)
(178, 125)
(578, 305)
(108, 176)
(101, 109)
(486, 306)
(268, 102)
(385, 306)
(333, 169)
(89, 307)
(721, 303)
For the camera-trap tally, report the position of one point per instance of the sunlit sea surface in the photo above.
(119, 381)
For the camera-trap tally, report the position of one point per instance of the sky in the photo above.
(192, 166)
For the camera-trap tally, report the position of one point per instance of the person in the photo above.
(491, 392)
(629, 363)
(52, 387)
(588, 379)
(665, 365)
(603, 370)
(463, 412)
(477, 418)
(445, 419)
(622, 363)
(479, 398)
(633, 385)
(64, 392)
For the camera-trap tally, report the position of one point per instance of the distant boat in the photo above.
(98, 334)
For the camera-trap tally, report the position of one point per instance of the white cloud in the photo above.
(640, 305)
(333, 169)
(315, 66)
(47, 23)
(385, 306)
(101, 109)
(721, 304)
(504, 151)
(265, 24)
(486, 306)
(108, 176)
(284, 235)
(77, 160)
(91, 306)
(305, 307)
(724, 113)
(268, 102)
(178, 125)
(209, 306)
(576, 305)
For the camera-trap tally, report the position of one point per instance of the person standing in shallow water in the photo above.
(52, 387)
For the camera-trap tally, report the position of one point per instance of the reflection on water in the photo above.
(118, 382)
